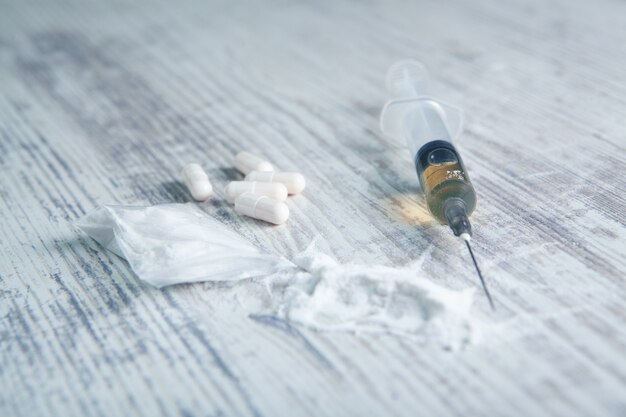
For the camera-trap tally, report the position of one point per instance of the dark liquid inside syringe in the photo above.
(443, 178)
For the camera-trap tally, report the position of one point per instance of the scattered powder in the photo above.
(375, 298)
(176, 243)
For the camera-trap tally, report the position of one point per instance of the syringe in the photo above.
(425, 123)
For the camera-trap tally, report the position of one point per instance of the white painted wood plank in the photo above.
(104, 102)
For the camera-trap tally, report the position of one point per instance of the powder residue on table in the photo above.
(331, 296)
(177, 243)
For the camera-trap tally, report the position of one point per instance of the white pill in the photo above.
(262, 207)
(197, 182)
(294, 181)
(245, 162)
(274, 190)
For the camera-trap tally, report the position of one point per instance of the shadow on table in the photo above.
(175, 192)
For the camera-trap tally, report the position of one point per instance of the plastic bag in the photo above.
(177, 243)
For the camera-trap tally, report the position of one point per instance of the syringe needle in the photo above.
(480, 275)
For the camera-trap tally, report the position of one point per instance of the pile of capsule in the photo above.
(261, 195)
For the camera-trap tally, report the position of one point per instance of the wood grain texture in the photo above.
(103, 102)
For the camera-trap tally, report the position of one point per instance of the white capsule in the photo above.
(245, 162)
(274, 190)
(197, 182)
(262, 207)
(294, 181)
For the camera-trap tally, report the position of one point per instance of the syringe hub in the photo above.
(455, 211)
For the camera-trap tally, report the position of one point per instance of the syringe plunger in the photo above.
(406, 79)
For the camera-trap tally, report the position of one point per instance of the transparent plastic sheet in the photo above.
(177, 243)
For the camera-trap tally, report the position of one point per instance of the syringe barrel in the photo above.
(420, 120)
(424, 124)
(442, 175)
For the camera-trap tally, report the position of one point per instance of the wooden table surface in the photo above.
(103, 102)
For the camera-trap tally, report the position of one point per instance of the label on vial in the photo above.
(455, 174)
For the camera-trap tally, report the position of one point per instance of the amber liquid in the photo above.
(441, 181)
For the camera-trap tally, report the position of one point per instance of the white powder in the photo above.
(177, 243)
(374, 298)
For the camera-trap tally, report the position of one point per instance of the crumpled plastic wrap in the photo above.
(177, 243)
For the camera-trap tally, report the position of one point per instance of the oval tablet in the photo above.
(294, 181)
(197, 182)
(262, 207)
(246, 162)
(274, 190)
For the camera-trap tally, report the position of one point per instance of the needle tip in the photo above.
(480, 275)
